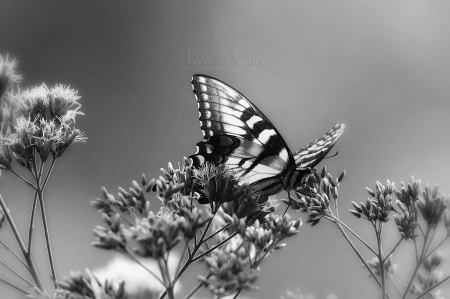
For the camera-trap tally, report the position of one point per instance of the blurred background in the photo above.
(382, 67)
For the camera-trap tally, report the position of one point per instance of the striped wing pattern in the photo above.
(238, 135)
(311, 154)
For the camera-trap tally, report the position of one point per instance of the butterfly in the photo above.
(238, 135)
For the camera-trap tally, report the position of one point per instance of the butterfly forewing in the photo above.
(240, 136)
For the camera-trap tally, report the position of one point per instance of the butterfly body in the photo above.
(240, 136)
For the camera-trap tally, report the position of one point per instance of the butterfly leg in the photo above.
(290, 203)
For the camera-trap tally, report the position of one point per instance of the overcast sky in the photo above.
(382, 67)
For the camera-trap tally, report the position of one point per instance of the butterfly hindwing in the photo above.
(311, 154)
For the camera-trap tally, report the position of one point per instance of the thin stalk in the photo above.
(358, 254)
(419, 263)
(29, 283)
(126, 219)
(217, 232)
(237, 294)
(437, 246)
(23, 179)
(421, 229)
(190, 260)
(166, 279)
(14, 254)
(431, 239)
(395, 284)
(393, 249)
(197, 287)
(129, 254)
(381, 261)
(40, 191)
(355, 235)
(10, 284)
(417, 251)
(433, 287)
(182, 256)
(31, 227)
(48, 173)
(28, 259)
(169, 280)
(214, 247)
(47, 237)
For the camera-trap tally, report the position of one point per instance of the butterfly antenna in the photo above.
(331, 156)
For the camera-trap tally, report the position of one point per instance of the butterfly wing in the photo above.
(238, 135)
(311, 154)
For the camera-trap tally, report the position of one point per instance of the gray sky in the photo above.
(382, 67)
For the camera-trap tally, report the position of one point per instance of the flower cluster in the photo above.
(114, 237)
(220, 185)
(155, 235)
(378, 207)
(235, 266)
(432, 204)
(428, 276)
(228, 273)
(184, 175)
(8, 76)
(43, 121)
(408, 195)
(406, 222)
(314, 196)
(89, 286)
(389, 267)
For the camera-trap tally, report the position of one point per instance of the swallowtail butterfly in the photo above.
(240, 136)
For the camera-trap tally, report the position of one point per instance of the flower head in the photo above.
(59, 103)
(8, 75)
(409, 194)
(378, 207)
(432, 204)
(219, 184)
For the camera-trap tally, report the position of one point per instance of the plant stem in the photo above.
(393, 249)
(419, 263)
(47, 236)
(197, 287)
(28, 259)
(48, 173)
(192, 253)
(131, 255)
(417, 251)
(182, 256)
(433, 287)
(214, 247)
(237, 294)
(431, 239)
(395, 285)
(358, 254)
(437, 246)
(381, 260)
(169, 279)
(19, 289)
(217, 232)
(29, 283)
(23, 179)
(14, 253)
(354, 234)
(31, 227)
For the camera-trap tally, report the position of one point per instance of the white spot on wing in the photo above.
(244, 103)
(252, 121)
(265, 135)
(284, 155)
